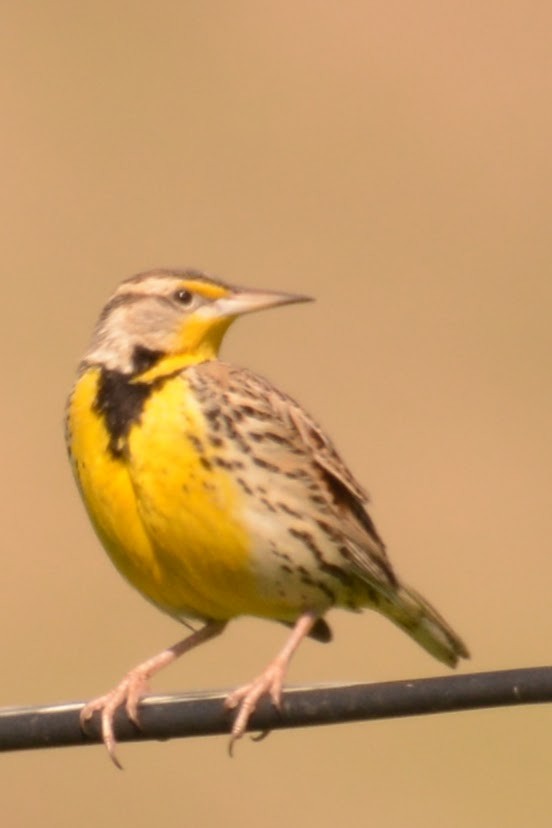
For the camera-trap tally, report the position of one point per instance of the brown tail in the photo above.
(415, 616)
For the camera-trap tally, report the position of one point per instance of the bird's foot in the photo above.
(136, 683)
(269, 682)
(128, 694)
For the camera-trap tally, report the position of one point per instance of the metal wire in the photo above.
(203, 714)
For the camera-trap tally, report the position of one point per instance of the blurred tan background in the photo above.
(394, 160)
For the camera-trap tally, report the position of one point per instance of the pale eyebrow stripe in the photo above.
(127, 299)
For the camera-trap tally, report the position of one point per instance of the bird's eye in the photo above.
(184, 297)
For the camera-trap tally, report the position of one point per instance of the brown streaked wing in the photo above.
(332, 495)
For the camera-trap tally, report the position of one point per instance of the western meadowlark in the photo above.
(215, 494)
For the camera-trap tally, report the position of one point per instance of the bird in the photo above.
(215, 494)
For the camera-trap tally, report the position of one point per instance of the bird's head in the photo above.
(164, 313)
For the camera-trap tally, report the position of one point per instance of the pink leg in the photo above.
(130, 690)
(269, 681)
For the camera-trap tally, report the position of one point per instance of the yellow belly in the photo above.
(167, 516)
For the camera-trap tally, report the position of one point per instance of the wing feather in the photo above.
(332, 494)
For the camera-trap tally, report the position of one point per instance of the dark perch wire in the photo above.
(203, 714)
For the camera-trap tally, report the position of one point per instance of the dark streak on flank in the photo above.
(213, 416)
(234, 434)
(254, 413)
(329, 593)
(196, 442)
(241, 482)
(308, 580)
(283, 507)
(270, 506)
(329, 530)
(295, 474)
(228, 464)
(264, 464)
(276, 438)
(278, 552)
(270, 436)
(330, 569)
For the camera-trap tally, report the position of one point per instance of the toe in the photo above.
(108, 736)
(135, 691)
(235, 698)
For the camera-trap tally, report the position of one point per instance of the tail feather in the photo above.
(413, 614)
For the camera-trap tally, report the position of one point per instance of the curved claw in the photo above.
(246, 698)
(260, 737)
(269, 682)
(131, 689)
(127, 693)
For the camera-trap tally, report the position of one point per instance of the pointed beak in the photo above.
(248, 301)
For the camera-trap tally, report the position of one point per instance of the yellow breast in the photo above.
(167, 513)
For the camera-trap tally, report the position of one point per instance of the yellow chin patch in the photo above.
(200, 336)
